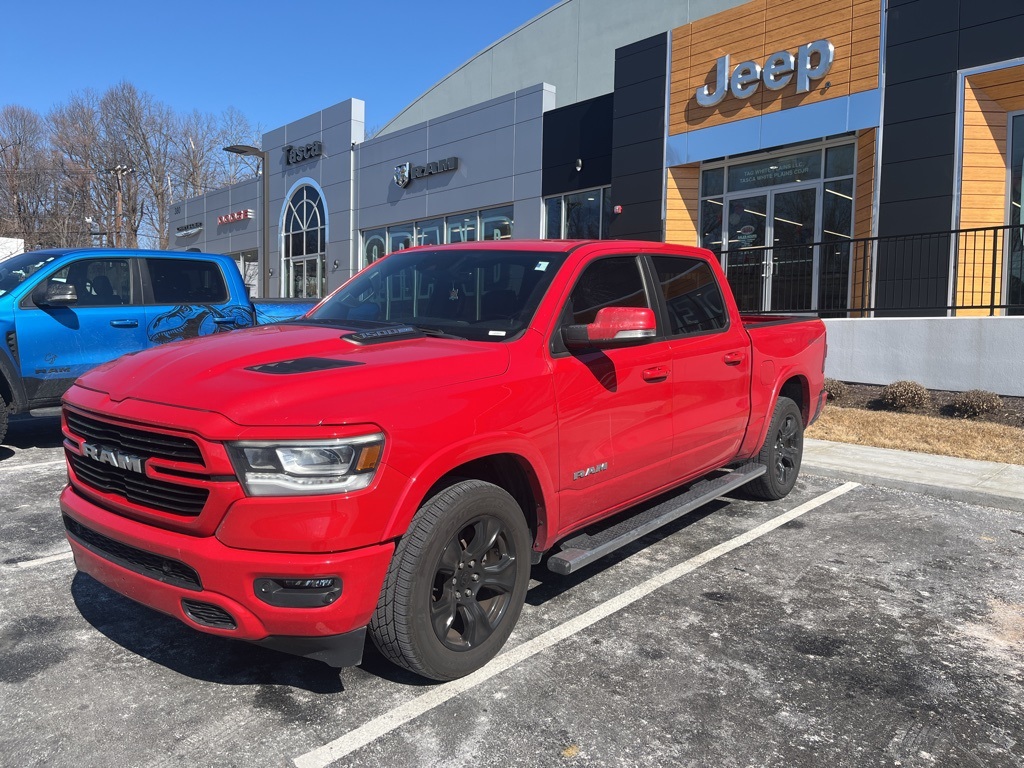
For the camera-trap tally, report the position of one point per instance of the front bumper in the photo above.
(210, 586)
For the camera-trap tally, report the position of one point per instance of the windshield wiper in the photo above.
(436, 333)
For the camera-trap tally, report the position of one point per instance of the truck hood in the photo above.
(300, 375)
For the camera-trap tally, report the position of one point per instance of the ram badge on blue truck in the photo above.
(63, 312)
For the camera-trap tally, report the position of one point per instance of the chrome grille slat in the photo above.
(139, 489)
(148, 444)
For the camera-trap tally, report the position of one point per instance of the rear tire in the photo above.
(781, 453)
(456, 584)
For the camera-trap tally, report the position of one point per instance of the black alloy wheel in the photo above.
(781, 453)
(473, 584)
(456, 583)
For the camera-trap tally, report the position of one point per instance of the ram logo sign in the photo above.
(590, 471)
(113, 457)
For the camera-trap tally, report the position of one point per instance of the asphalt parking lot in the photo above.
(846, 625)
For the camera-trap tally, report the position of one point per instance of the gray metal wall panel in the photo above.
(304, 128)
(492, 118)
(571, 46)
(484, 195)
(528, 144)
(386, 149)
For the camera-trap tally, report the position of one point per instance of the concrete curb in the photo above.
(986, 483)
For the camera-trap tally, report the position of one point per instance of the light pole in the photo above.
(249, 151)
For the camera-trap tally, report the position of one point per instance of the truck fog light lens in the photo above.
(307, 467)
(313, 592)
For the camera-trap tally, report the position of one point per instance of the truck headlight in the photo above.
(306, 467)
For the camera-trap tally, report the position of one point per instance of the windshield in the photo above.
(17, 269)
(483, 295)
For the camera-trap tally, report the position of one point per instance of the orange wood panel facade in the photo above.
(682, 205)
(754, 31)
(989, 98)
(863, 221)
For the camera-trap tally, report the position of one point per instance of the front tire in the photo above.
(456, 583)
(781, 453)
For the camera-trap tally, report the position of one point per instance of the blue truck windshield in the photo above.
(17, 269)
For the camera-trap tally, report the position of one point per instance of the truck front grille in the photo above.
(136, 441)
(134, 559)
(139, 489)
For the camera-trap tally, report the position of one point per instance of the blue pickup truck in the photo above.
(63, 312)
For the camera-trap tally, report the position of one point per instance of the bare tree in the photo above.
(24, 171)
(77, 142)
(63, 179)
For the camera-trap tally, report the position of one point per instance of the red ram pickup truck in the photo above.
(398, 458)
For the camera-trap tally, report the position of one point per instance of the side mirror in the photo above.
(53, 294)
(613, 327)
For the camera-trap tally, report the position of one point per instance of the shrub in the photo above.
(836, 390)
(901, 395)
(974, 403)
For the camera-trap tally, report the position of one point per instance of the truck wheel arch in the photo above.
(796, 389)
(510, 470)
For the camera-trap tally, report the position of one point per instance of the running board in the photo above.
(585, 548)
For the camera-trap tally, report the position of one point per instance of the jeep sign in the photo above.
(811, 62)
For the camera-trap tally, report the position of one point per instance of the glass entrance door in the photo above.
(746, 229)
(791, 268)
(770, 259)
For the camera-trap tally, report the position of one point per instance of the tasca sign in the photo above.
(811, 62)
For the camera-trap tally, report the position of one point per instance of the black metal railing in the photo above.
(965, 272)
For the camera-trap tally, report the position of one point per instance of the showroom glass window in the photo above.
(486, 224)
(782, 225)
(305, 244)
(1015, 247)
(582, 215)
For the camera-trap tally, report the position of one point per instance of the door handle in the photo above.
(734, 358)
(224, 320)
(125, 323)
(658, 373)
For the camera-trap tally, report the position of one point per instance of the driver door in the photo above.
(614, 405)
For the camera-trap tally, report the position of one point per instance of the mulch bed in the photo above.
(868, 396)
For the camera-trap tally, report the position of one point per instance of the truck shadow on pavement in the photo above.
(168, 642)
(32, 432)
(552, 584)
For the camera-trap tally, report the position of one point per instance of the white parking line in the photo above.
(44, 560)
(390, 721)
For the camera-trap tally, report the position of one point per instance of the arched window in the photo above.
(305, 244)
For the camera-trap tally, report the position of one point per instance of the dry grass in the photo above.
(980, 440)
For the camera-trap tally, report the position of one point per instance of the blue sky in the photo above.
(275, 62)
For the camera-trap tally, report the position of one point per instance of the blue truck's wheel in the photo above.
(781, 453)
(456, 584)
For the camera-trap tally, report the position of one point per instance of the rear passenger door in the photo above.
(711, 366)
(186, 298)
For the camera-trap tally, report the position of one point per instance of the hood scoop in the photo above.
(302, 365)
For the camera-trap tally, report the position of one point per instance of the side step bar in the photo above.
(585, 548)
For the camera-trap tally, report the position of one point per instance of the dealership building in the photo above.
(847, 157)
